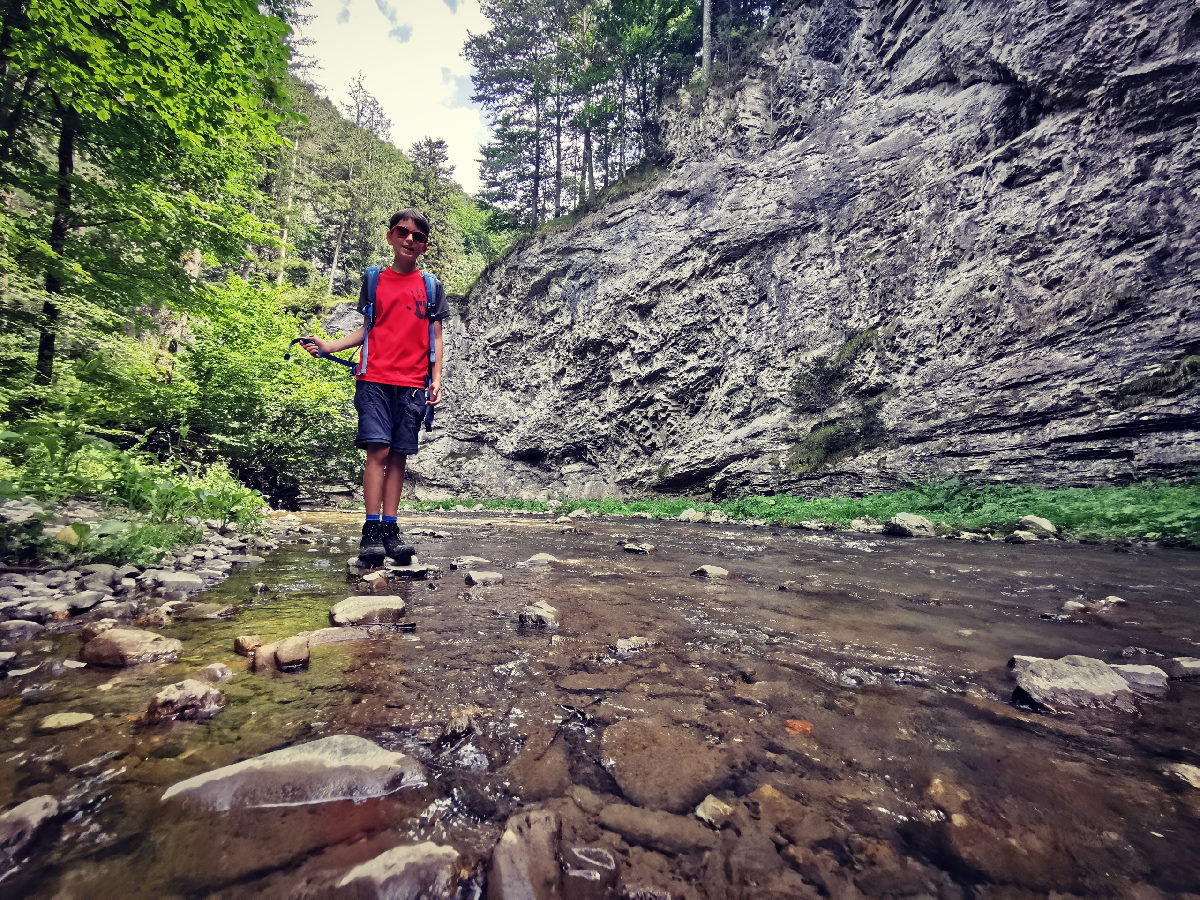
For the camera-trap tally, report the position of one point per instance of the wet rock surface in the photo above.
(661, 766)
(938, 213)
(129, 647)
(853, 735)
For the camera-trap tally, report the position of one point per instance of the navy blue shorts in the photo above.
(388, 414)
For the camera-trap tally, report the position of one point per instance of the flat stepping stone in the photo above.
(711, 572)
(638, 548)
(63, 721)
(541, 559)
(340, 767)
(483, 579)
(368, 610)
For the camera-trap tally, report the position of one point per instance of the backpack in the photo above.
(366, 306)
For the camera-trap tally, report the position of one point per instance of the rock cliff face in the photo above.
(913, 240)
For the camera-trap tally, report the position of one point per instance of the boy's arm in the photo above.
(435, 387)
(353, 339)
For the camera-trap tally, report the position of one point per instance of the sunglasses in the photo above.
(419, 236)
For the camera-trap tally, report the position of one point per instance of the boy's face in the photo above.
(407, 240)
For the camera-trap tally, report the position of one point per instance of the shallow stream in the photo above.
(864, 716)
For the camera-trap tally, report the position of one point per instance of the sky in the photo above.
(410, 55)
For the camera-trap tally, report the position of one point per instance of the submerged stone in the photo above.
(340, 767)
(427, 870)
(525, 862)
(657, 830)
(187, 699)
(20, 825)
(64, 720)
(662, 766)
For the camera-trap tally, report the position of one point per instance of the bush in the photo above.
(1146, 511)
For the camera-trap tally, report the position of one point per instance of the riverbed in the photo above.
(848, 694)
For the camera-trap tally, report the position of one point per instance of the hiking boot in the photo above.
(390, 534)
(370, 548)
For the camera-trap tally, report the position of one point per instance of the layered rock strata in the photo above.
(910, 240)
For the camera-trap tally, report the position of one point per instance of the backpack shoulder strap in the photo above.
(431, 295)
(366, 298)
(366, 306)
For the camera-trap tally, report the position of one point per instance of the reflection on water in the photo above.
(863, 716)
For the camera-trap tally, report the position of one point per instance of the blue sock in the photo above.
(390, 519)
(371, 518)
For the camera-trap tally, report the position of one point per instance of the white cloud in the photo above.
(410, 54)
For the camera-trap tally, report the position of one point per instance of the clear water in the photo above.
(919, 777)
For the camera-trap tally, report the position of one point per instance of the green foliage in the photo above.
(830, 443)
(51, 461)
(818, 384)
(1149, 511)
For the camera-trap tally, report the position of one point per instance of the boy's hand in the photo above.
(315, 346)
(435, 394)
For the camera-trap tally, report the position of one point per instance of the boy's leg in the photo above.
(370, 548)
(375, 475)
(393, 484)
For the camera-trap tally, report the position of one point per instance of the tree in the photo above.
(129, 126)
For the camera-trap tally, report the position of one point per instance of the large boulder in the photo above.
(129, 647)
(661, 766)
(1073, 682)
(340, 767)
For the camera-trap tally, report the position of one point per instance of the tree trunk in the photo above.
(337, 251)
(287, 211)
(590, 192)
(558, 151)
(59, 227)
(621, 126)
(536, 201)
(706, 43)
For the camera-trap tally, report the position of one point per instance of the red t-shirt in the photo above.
(398, 345)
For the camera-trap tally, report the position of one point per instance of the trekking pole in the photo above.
(349, 363)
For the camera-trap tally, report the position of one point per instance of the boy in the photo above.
(390, 393)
